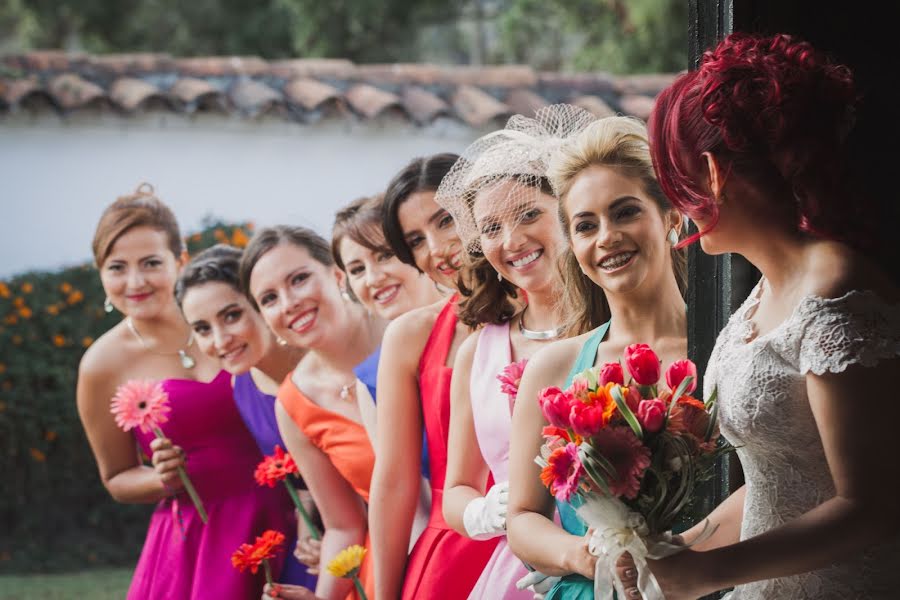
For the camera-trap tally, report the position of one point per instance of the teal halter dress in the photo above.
(575, 586)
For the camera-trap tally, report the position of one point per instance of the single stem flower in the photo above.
(347, 564)
(278, 467)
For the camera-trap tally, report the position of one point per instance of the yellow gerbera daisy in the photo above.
(347, 562)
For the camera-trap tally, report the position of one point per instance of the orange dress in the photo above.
(346, 444)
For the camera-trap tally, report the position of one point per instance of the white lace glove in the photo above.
(485, 518)
(538, 583)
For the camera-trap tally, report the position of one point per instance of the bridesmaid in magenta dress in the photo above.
(138, 250)
(414, 391)
(228, 328)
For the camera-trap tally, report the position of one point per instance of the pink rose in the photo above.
(587, 419)
(652, 414)
(642, 363)
(612, 372)
(676, 373)
(556, 406)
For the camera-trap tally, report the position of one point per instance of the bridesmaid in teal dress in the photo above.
(624, 285)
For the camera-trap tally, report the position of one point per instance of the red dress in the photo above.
(443, 565)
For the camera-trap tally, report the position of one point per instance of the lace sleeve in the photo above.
(857, 328)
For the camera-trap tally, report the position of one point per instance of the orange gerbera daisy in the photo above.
(251, 556)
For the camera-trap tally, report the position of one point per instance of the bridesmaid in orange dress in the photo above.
(414, 393)
(290, 274)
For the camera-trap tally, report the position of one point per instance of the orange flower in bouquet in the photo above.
(629, 457)
(144, 404)
(277, 468)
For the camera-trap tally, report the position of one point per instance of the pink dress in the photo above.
(183, 558)
(491, 413)
(443, 564)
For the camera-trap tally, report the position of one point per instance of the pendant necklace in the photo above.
(186, 360)
(533, 334)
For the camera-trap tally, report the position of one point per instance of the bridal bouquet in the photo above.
(628, 458)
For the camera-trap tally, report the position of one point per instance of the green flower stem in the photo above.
(359, 588)
(188, 486)
(268, 570)
(314, 532)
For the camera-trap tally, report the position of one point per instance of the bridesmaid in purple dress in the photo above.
(228, 329)
(139, 253)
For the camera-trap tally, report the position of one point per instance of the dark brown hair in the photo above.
(420, 175)
(139, 209)
(219, 263)
(483, 297)
(266, 239)
(361, 222)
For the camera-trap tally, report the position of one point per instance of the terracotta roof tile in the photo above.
(422, 105)
(476, 107)
(525, 102)
(594, 105)
(71, 91)
(131, 93)
(254, 98)
(309, 93)
(639, 106)
(309, 89)
(370, 101)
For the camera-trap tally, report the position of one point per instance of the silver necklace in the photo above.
(186, 360)
(532, 334)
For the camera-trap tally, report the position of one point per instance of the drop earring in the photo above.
(672, 237)
(280, 341)
(346, 296)
(499, 277)
(108, 305)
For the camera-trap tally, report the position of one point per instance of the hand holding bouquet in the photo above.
(628, 458)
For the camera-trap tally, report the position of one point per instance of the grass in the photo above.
(98, 584)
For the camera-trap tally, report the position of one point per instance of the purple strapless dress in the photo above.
(182, 558)
(258, 411)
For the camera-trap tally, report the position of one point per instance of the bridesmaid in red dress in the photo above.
(414, 393)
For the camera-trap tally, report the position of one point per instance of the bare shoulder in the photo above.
(106, 356)
(835, 269)
(550, 365)
(407, 334)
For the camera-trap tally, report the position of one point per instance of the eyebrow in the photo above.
(520, 207)
(227, 308)
(436, 214)
(141, 259)
(622, 200)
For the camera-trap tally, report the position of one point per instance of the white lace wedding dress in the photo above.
(764, 411)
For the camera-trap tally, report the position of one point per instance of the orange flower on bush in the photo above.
(4, 290)
(249, 557)
(239, 238)
(75, 297)
(50, 435)
(37, 455)
(27, 288)
(17, 340)
(87, 341)
(2, 368)
(53, 309)
(25, 312)
(18, 301)
(65, 287)
(10, 319)
(59, 341)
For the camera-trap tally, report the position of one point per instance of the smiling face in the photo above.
(298, 297)
(618, 232)
(139, 273)
(382, 283)
(431, 236)
(226, 327)
(519, 233)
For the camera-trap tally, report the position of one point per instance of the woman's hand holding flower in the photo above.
(166, 459)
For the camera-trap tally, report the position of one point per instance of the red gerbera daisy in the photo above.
(275, 468)
(251, 556)
(628, 456)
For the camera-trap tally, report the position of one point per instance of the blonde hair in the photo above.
(619, 143)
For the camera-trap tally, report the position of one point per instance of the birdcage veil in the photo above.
(504, 170)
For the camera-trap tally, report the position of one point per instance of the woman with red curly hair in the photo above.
(751, 146)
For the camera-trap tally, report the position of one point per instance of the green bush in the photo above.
(55, 514)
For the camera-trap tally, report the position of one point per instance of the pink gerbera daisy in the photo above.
(628, 456)
(563, 472)
(140, 403)
(510, 378)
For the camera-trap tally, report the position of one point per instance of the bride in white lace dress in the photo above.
(806, 369)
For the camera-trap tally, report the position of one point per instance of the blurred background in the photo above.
(241, 113)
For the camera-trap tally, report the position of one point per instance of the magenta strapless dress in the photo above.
(182, 558)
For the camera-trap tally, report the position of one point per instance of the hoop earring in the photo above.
(108, 305)
(672, 237)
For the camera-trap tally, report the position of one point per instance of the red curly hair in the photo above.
(773, 109)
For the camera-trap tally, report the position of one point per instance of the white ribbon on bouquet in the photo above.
(617, 530)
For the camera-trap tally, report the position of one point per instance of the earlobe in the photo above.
(714, 177)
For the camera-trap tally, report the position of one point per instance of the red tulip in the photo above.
(612, 372)
(642, 363)
(556, 405)
(652, 414)
(587, 419)
(676, 373)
